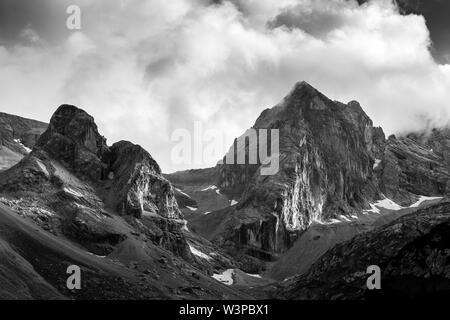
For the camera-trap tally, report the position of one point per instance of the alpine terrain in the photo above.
(344, 197)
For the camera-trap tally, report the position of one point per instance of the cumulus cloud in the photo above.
(146, 68)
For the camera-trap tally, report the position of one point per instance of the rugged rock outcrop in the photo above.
(409, 167)
(136, 184)
(72, 138)
(72, 182)
(412, 252)
(327, 151)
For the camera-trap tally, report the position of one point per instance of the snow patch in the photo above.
(345, 218)
(43, 168)
(254, 275)
(210, 188)
(377, 163)
(385, 204)
(225, 277)
(333, 221)
(207, 212)
(95, 255)
(192, 209)
(183, 193)
(388, 204)
(423, 199)
(233, 202)
(373, 209)
(72, 192)
(198, 253)
(22, 145)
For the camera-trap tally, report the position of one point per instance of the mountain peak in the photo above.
(74, 125)
(303, 87)
(303, 94)
(303, 84)
(66, 115)
(72, 137)
(68, 108)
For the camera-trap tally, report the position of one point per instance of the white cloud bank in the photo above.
(145, 68)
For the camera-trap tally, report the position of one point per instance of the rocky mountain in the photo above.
(334, 167)
(343, 197)
(17, 136)
(108, 209)
(327, 151)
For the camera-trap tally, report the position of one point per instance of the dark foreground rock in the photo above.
(412, 252)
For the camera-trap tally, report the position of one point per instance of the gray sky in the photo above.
(146, 68)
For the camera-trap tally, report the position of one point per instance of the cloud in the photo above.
(28, 34)
(144, 69)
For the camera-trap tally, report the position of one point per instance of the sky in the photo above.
(147, 69)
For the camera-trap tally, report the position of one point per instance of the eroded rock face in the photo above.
(412, 253)
(137, 185)
(327, 153)
(412, 166)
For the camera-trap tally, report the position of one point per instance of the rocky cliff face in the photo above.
(409, 167)
(327, 151)
(137, 186)
(438, 142)
(333, 164)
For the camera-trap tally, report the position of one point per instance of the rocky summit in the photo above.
(327, 152)
(326, 160)
(72, 138)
